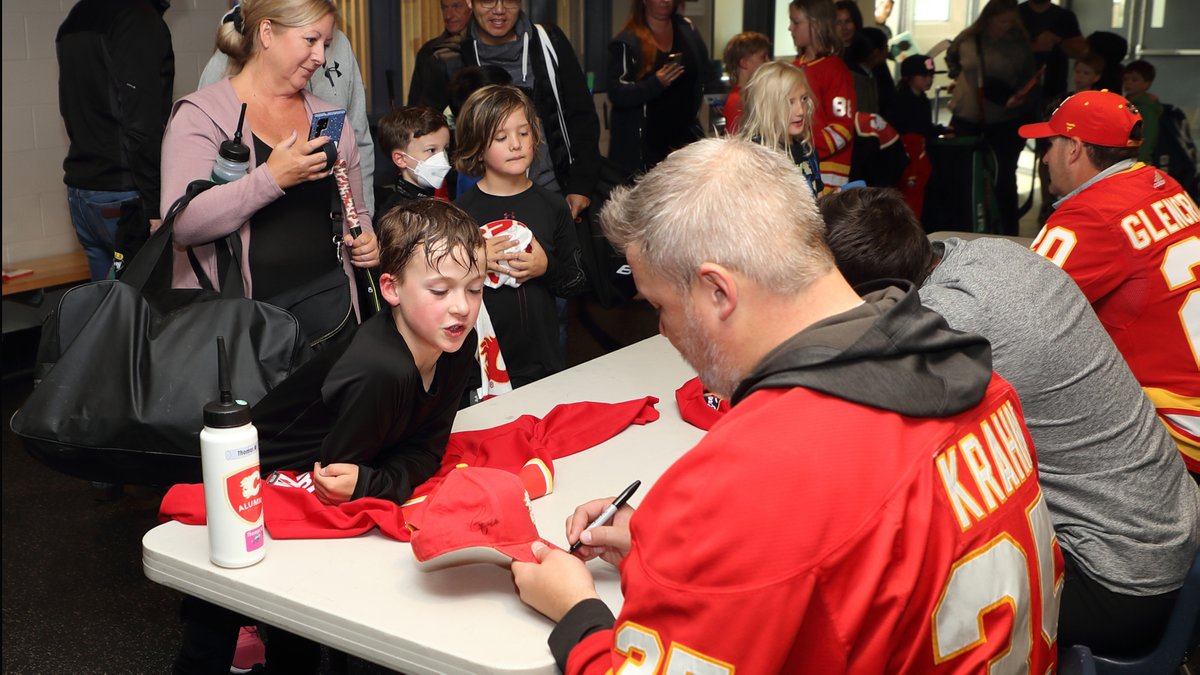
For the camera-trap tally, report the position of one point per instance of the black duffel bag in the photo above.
(126, 367)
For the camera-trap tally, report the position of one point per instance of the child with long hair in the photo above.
(532, 250)
(814, 31)
(778, 114)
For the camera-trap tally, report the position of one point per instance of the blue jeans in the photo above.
(95, 213)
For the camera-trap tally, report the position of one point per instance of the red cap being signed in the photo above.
(476, 507)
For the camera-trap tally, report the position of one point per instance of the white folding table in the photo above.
(368, 596)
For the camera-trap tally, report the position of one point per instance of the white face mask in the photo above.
(431, 172)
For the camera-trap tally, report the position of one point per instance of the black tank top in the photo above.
(291, 239)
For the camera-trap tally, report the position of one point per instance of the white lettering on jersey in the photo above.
(994, 575)
(1055, 244)
(1004, 448)
(1172, 215)
(960, 500)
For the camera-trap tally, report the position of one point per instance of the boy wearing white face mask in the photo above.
(415, 137)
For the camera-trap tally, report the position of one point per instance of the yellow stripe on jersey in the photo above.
(1181, 415)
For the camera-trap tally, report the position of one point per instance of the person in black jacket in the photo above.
(657, 68)
(116, 72)
(501, 34)
(912, 111)
(456, 14)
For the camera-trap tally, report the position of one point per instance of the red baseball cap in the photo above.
(698, 406)
(1095, 117)
(473, 507)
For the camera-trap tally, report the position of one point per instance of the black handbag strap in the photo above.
(156, 252)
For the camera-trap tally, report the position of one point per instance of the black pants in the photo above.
(210, 637)
(1110, 623)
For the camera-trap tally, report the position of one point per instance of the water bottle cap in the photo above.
(235, 152)
(225, 412)
(220, 415)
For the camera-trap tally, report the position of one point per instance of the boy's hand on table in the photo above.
(334, 483)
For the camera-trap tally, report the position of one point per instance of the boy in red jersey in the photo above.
(814, 30)
(1125, 231)
(869, 503)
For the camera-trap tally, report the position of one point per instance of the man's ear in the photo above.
(1076, 151)
(389, 288)
(718, 289)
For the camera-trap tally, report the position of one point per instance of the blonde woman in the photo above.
(778, 114)
(280, 208)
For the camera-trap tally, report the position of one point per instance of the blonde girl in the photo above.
(778, 114)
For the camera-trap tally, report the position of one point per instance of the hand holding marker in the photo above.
(611, 510)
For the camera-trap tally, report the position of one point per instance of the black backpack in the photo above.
(1176, 151)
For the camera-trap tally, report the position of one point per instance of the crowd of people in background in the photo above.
(501, 124)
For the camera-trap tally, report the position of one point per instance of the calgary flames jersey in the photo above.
(917, 546)
(833, 116)
(1130, 242)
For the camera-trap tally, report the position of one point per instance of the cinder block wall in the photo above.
(35, 218)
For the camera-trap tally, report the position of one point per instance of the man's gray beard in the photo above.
(716, 370)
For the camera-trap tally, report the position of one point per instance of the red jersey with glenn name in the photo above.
(1131, 242)
(914, 545)
(834, 104)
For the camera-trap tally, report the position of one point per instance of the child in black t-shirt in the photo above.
(498, 135)
(415, 138)
(370, 416)
(375, 414)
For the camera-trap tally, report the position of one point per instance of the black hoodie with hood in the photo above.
(889, 352)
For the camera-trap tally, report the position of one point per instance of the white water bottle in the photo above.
(232, 483)
(233, 157)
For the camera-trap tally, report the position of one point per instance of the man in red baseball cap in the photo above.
(1126, 233)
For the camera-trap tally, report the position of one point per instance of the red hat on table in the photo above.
(1094, 117)
(698, 406)
(476, 507)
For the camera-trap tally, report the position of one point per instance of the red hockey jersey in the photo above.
(917, 546)
(833, 116)
(1130, 241)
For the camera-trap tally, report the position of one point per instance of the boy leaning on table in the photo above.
(370, 416)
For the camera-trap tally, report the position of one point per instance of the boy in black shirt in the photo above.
(374, 413)
(370, 416)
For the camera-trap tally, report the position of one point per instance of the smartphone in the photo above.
(327, 124)
(675, 57)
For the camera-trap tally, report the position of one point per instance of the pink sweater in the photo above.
(199, 123)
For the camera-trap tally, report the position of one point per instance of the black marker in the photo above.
(609, 511)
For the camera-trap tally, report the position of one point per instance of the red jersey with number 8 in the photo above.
(833, 116)
(916, 545)
(1130, 241)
